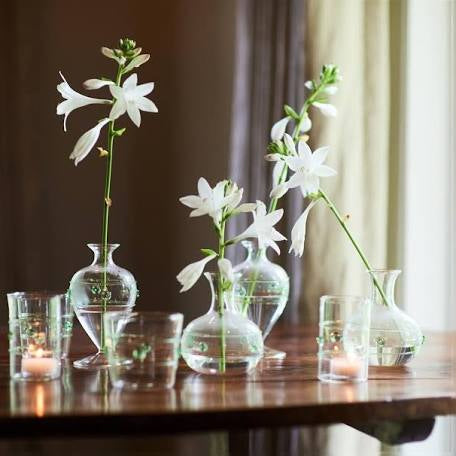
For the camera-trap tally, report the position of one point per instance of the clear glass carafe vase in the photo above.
(395, 338)
(223, 341)
(261, 291)
(100, 287)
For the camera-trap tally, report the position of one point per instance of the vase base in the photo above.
(272, 353)
(92, 362)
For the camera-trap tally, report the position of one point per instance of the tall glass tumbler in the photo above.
(143, 349)
(35, 326)
(343, 339)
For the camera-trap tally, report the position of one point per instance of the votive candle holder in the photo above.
(343, 341)
(35, 335)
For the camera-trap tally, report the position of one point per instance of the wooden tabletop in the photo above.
(277, 394)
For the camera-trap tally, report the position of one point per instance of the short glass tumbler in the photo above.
(343, 339)
(66, 312)
(143, 349)
(35, 336)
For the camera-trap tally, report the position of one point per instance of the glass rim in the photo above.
(256, 281)
(342, 297)
(148, 314)
(100, 244)
(384, 270)
(35, 294)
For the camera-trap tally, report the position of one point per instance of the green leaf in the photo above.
(289, 111)
(208, 252)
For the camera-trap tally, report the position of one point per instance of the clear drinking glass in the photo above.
(66, 312)
(35, 335)
(143, 349)
(343, 339)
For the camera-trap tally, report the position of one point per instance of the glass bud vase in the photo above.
(103, 286)
(395, 338)
(221, 342)
(261, 292)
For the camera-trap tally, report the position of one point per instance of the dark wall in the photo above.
(50, 209)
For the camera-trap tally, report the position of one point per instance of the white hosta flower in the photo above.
(263, 229)
(73, 100)
(86, 142)
(298, 232)
(308, 167)
(210, 201)
(94, 84)
(191, 273)
(226, 269)
(246, 207)
(326, 109)
(278, 129)
(131, 98)
(136, 62)
(277, 172)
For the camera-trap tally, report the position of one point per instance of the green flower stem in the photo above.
(342, 223)
(221, 292)
(106, 208)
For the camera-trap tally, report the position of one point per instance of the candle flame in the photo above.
(39, 353)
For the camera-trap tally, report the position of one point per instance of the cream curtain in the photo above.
(354, 34)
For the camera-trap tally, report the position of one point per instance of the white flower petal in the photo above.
(119, 108)
(190, 201)
(278, 129)
(277, 172)
(134, 114)
(191, 273)
(326, 109)
(279, 191)
(144, 104)
(319, 156)
(298, 232)
(143, 90)
(136, 62)
(86, 142)
(324, 171)
(131, 82)
(246, 207)
(289, 143)
(226, 269)
(305, 125)
(94, 84)
(308, 85)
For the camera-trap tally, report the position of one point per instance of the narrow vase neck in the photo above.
(254, 253)
(99, 255)
(212, 278)
(386, 279)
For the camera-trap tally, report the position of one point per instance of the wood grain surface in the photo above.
(277, 394)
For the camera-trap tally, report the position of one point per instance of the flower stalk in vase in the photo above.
(221, 203)
(126, 97)
(293, 153)
(319, 91)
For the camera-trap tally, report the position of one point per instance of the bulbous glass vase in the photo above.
(221, 342)
(395, 338)
(103, 286)
(261, 292)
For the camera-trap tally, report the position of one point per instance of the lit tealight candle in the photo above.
(39, 365)
(346, 366)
